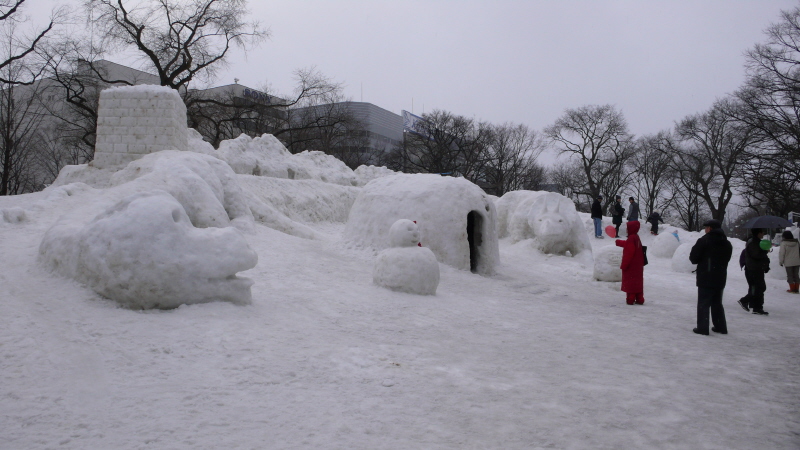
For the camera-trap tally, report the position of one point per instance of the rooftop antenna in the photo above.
(236, 80)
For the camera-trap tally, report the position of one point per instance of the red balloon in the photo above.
(611, 231)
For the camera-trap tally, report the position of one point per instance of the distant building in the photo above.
(382, 129)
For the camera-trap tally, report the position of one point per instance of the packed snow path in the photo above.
(537, 356)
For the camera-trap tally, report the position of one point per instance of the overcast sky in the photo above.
(513, 61)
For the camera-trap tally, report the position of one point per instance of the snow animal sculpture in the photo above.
(548, 218)
(405, 266)
(456, 219)
(144, 253)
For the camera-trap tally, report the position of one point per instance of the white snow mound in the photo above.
(406, 267)
(607, 260)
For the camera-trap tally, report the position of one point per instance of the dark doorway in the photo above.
(475, 238)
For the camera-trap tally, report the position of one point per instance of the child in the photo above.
(653, 219)
(632, 265)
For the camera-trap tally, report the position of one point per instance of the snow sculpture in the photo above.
(133, 121)
(456, 219)
(680, 259)
(143, 252)
(405, 266)
(549, 218)
(606, 263)
(663, 245)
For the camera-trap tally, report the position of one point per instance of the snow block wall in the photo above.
(137, 120)
(456, 219)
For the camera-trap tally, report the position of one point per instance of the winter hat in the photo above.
(631, 199)
(788, 235)
(713, 223)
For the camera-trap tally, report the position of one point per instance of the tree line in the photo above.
(745, 144)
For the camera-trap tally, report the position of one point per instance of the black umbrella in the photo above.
(767, 222)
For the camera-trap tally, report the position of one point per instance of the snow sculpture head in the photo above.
(548, 219)
(404, 233)
(144, 253)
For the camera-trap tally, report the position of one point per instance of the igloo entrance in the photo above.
(475, 238)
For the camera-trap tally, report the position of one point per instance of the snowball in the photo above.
(548, 218)
(607, 260)
(14, 214)
(407, 269)
(404, 233)
(443, 207)
(143, 252)
(680, 259)
(663, 245)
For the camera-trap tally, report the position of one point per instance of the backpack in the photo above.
(742, 259)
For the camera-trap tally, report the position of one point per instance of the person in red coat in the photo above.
(632, 265)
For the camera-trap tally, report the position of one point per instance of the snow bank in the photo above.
(13, 214)
(205, 186)
(365, 174)
(144, 252)
(548, 218)
(606, 263)
(443, 207)
(266, 156)
(406, 267)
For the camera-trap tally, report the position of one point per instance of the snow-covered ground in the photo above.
(536, 356)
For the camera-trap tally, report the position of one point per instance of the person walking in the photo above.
(633, 214)
(597, 217)
(617, 212)
(653, 219)
(632, 265)
(756, 264)
(789, 257)
(711, 253)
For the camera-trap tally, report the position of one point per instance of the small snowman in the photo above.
(406, 266)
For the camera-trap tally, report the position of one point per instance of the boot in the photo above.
(791, 288)
(796, 289)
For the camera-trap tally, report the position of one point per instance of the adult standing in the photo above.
(633, 214)
(617, 213)
(789, 257)
(597, 217)
(632, 265)
(711, 253)
(756, 264)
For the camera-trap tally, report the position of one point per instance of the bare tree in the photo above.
(179, 40)
(771, 104)
(651, 169)
(568, 179)
(597, 137)
(511, 157)
(446, 143)
(712, 148)
(20, 48)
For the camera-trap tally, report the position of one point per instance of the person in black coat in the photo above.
(653, 219)
(711, 253)
(617, 213)
(756, 264)
(597, 217)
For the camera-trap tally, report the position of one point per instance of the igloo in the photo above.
(549, 218)
(143, 252)
(133, 121)
(405, 266)
(456, 219)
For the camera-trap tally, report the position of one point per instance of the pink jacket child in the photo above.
(632, 265)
